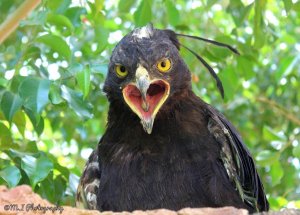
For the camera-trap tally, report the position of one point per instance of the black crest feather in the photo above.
(209, 68)
(212, 42)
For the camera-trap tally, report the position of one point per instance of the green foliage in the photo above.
(10, 104)
(11, 175)
(52, 69)
(56, 43)
(143, 14)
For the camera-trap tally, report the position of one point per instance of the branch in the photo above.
(281, 110)
(12, 21)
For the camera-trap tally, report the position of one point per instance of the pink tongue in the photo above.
(154, 95)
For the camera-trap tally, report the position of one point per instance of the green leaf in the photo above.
(20, 121)
(61, 22)
(245, 67)
(13, 154)
(32, 52)
(239, 12)
(37, 169)
(288, 4)
(15, 83)
(4, 162)
(34, 93)
(60, 185)
(68, 131)
(11, 175)
(83, 79)
(75, 100)
(74, 14)
(37, 18)
(10, 104)
(1, 114)
(3, 81)
(36, 120)
(125, 5)
(296, 7)
(230, 82)
(210, 3)
(270, 134)
(58, 5)
(287, 65)
(46, 189)
(266, 157)
(172, 13)
(55, 94)
(31, 147)
(102, 35)
(277, 203)
(63, 170)
(57, 44)
(99, 4)
(259, 26)
(52, 189)
(296, 151)
(5, 137)
(276, 172)
(143, 14)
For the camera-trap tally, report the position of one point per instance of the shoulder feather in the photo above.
(237, 161)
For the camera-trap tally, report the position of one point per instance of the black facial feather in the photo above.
(133, 50)
(172, 36)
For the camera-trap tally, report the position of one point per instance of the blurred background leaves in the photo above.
(52, 69)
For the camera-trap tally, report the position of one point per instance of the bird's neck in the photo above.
(121, 118)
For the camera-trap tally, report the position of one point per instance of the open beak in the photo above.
(145, 97)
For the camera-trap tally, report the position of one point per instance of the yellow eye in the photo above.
(121, 71)
(164, 65)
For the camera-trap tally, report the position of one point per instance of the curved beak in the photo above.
(145, 97)
(143, 83)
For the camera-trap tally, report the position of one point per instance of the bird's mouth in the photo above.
(146, 99)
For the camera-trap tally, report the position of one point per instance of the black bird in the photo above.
(164, 147)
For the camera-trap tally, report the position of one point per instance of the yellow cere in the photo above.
(121, 71)
(164, 65)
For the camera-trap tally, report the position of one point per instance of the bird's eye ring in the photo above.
(164, 65)
(121, 71)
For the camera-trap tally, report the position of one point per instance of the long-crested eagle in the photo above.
(164, 147)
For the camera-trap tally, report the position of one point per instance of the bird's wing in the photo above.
(87, 190)
(237, 161)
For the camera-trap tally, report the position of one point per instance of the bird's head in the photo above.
(145, 70)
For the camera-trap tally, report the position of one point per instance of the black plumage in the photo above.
(164, 147)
